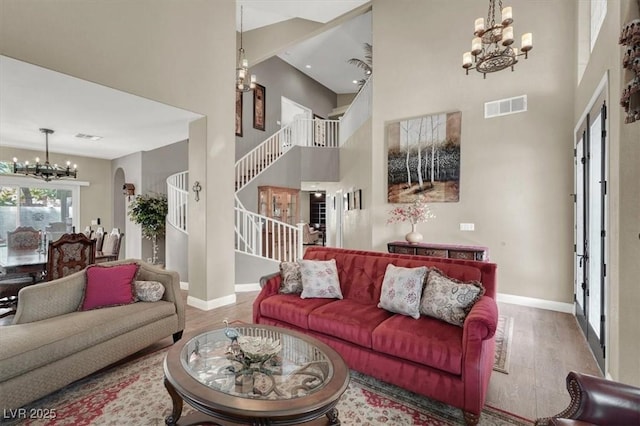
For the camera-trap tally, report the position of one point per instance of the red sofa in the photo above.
(427, 356)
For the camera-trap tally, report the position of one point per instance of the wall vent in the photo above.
(90, 137)
(505, 106)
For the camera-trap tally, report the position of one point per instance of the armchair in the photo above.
(310, 235)
(597, 401)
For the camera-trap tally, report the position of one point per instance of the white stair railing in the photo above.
(262, 236)
(259, 158)
(358, 112)
(316, 133)
(177, 200)
(256, 234)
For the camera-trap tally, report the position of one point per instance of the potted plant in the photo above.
(150, 211)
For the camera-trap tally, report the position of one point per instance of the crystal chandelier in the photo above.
(45, 170)
(491, 48)
(244, 81)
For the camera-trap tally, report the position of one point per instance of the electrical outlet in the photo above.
(467, 227)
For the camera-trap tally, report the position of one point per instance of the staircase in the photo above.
(258, 235)
(262, 236)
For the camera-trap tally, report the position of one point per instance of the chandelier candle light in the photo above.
(491, 48)
(45, 171)
(244, 81)
(415, 213)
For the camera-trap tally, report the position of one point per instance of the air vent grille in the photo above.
(89, 137)
(505, 106)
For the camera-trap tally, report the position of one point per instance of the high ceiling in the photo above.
(34, 97)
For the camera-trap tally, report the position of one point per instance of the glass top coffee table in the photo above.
(267, 375)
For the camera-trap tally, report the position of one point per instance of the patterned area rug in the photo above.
(133, 394)
(504, 333)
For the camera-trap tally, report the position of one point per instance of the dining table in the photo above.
(22, 263)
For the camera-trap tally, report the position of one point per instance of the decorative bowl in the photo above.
(259, 349)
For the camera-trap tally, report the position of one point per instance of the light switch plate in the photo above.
(467, 227)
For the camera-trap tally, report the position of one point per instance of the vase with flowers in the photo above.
(416, 212)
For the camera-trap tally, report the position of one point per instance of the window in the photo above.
(45, 206)
(597, 15)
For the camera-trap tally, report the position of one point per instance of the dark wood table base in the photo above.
(199, 418)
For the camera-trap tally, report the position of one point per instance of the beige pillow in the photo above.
(448, 299)
(401, 290)
(291, 282)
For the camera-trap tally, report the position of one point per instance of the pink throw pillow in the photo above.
(109, 286)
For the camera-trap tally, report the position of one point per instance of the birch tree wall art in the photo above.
(423, 158)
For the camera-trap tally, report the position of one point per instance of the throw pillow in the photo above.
(148, 291)
(320, 279)
(109, 286)
(291, 281)
(401, 290)
(448, 299)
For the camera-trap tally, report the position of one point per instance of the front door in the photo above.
(590, 227)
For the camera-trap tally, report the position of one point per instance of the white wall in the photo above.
(179, 53)
(623, 291)
(515, 170)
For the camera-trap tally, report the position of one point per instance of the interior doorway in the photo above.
(591, 216)
(290, 112)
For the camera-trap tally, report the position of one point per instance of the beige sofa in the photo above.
(50, 344)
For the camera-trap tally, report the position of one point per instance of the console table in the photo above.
(453, 251)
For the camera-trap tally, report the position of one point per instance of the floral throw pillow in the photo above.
(291, 281)
(320, 279)
(448, 299)
(401, 290)
(148, 291)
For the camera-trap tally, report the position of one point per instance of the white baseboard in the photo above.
(247, 287)
(207, 305)
(184, 285)
(531, 302)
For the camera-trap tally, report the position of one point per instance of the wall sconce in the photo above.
(197, 188)
(129, 189)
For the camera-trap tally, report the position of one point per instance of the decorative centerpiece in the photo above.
(416, 212)
(257, 350)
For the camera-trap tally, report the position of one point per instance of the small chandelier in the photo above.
(491, 48)
(45, 170)
(244, 81)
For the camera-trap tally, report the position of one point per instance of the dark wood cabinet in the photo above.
(453, 251)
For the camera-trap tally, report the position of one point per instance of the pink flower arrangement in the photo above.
(415, 212)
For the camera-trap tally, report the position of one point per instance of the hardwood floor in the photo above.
(546, 345)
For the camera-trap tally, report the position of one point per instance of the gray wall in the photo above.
(157, 166)
(280, 79)
(249, 268)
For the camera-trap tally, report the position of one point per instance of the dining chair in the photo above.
(99, 237)
(110, 246)
(70, 253)
(23, 238)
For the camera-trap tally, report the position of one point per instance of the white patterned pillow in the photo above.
(148, 291)
(291, 281)
(401, 290)
(448, 299)
(320, 279)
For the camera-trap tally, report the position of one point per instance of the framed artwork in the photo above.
(423, 158)
(259, 107)
(239, 113)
